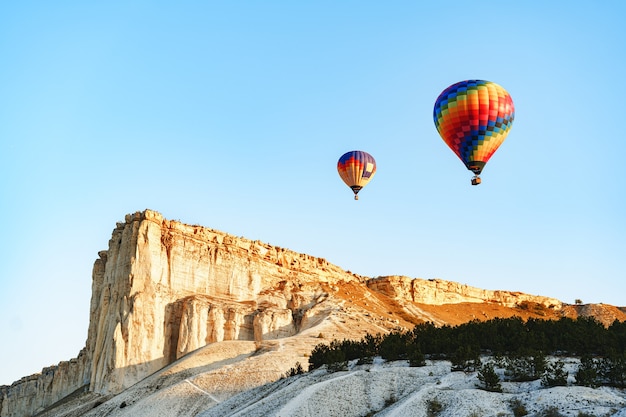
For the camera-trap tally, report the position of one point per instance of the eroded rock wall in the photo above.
(439, 292)
(205, 321)
(32, 394)
(168, 288)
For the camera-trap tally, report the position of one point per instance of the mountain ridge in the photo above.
(164, 289)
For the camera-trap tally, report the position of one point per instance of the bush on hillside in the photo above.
(587, 373)
(526, 366)
(489, 379)
(555, 375)
(466, 359)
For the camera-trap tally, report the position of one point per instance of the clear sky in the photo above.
(232, 115)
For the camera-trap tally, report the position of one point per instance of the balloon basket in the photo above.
(476, 180)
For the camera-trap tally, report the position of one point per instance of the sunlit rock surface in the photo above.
(164, 289)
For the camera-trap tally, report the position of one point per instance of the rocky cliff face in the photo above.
(438, 292)
(32, 394)
(164, 289)
(168, 288)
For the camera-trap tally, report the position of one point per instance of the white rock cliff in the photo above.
(164, 289)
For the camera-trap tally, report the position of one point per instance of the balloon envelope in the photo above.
(356, 169)
(474, 117)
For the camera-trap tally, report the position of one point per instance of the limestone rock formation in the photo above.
(164, 289)
(32, 394)
(168, 288)
(438, 292)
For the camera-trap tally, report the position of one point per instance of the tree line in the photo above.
(517, 346)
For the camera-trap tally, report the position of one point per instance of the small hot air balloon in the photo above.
(356, 169)
(474, 117)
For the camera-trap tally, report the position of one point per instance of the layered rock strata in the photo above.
(438, 292)
(163, 289)
(168, 288)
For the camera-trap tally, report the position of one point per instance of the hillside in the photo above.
(207, 383)
(184, 317)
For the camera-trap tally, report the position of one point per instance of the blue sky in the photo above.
(232, 115)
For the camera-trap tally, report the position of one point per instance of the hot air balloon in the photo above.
(474, 117)
(356, 169)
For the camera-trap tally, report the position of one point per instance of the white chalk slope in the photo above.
(212, 381)
(394, 389)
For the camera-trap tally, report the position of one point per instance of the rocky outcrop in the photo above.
(205, 321)
(604, 313)
(439, 292)
(32, 394)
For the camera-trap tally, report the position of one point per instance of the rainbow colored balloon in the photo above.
(474, 117)
(356, 169)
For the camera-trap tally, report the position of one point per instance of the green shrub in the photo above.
(587, 373)
(613, 370)
(518, 408)
(296, 370)
(391, 400)
(527, 366)
(490, 381)
(394, 346)
(337, 366)
(365, 360)
(555, 375)
(551, 412)
(415, 356)
(433, 407)
(466, 359)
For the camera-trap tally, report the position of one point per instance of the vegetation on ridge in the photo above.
(516, 345)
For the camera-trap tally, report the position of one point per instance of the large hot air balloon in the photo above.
(474, 117)
(356, 169)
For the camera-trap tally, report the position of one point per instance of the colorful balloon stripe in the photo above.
(474, 117)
